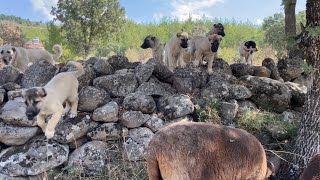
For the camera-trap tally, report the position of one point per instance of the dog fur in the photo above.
(44, 101)
(176, 49)
(196, 150)
(217, 29)
(20, 57)
(312, 171)
(205, 47)
(157, 47)
(246, 51)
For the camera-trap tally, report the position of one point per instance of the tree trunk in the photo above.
(290, 26)
(308, 140)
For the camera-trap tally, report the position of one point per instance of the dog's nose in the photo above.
(30, 115)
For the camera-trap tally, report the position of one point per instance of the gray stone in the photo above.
(10, 74)
(139, 102)
(292, 117)
(216, 88)
(78, 142)
(108, 132)
(102, 68)
(10, 86)
(271, 65)
(2, 95)
(221, 66)
(91, 98)
(197, 75)
(154, 123)
(262, 71)
(239, 92)
(299, 94)
(277, 132)
(144, 72)
(107, 113)
(229, 110)
(240, 69)
(154, 89)
(161, 71)
(246, 105)
(290, 69)
(120, 62)
(175, 106)
(183, 85)
(133, 119)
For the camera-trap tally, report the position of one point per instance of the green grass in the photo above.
(207, 110)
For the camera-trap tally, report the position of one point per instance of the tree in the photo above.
(290, 26)
(308, 140)
(87, 21)
(11, 33)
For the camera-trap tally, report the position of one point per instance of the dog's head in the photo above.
(34, 100)
(250, 46)
(7, 54)
(214, 40)
(149, 42)
(183, 37)
(219, 29)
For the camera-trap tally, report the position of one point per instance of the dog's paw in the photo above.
(183, 65)
(73, 114)
(195, 63)
(49, 134)
(65, 113)
(210, 71)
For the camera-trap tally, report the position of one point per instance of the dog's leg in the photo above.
(52, 123)
(67, 108)
(74, 105)
(198, 58)
(180, 59)
(41, 122)
(249, 59)
(172, 62)
(210, 63)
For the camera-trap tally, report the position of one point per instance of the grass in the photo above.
(207, 110)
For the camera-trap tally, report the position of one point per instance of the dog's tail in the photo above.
(57, 49)
(79, 71)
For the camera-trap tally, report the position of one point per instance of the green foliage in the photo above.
(207, 110)
(19, 20)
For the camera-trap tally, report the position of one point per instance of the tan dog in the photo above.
(175, 50)
(194, 150)
(20, 57)
(217, 29)
(246, 51)
(312, 171)
(157, 47)
(44, 101)
(205, 47)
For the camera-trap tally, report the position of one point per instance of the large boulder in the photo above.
(217, 87)
(102, 68)
(117, 84)
(87, 78)
(262, 71)
(183, 85)
(144, 72)
(240, 69)
(290, 69)
(228, 111)
(267, 93)
(108, 132)
(133, 119)
(221, 66)
(139, 102)
(107, 113)
(271, 65)
(91, 98)
(155, 88)
(10, 74)
(10, 86)
(154, 123)
(120, 62)
(239, 92)
(197, 75)
(299, 93)
(175, 106)
(36, 156)
(245, 106)
(161, 71)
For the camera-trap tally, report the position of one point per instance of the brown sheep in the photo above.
(204, 151)
(312, 171)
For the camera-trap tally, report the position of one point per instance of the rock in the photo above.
(90, 158)
(217, 87)
(197, 75)
(299, 94)
(70, 129)
(292, 117)
(14, 135)
(246, 105)
(137, 142)
(10, 74)
(139, 102)
(240, 69)
(271, 65)
(239, 92)
(183, 85)
(2, 95)
(154, 123)
(228, 110)
(87, 78)
(121, 62)
(221, 66)
(262, 71)
(277, 132)
(102, 68)
(13, 113)
(10, 86)
(302, 80)
(91, 98)
(36, 156)
(78, 142)
(14, 94)
(91, 60)
(267, 93)
(118, 84)
(133, 119)
(161, 71)
(108, 132)
(154, 89)
(38, 74)
(144, 72)
(175, 106)
(107, 113)
(290, 69)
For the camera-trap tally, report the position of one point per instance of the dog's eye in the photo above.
(8, 52)
(2, 52)
(36, 102)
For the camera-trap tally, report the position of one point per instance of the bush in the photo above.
(207, 110)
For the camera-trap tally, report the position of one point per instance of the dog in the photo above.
(175, 50)
(21, 58)
(312, 171)
(44, 101)
(157, 47)
(217, 29)
(197, 150)
(246, 51)
(205, 47)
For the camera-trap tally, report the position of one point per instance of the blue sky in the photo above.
(144, 11)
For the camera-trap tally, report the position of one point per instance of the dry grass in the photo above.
(138, 54)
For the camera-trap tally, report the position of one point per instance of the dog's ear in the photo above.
(153, 38)
(179, 34)
(246, 43)
(42, 92)
(14, 49)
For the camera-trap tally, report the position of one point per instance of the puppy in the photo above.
(157, 47)
(217, 29)
(175, 50)
(44, 101)
(205, 47)
(20, 57)
(246, 51)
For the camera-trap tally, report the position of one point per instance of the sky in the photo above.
(146, 11)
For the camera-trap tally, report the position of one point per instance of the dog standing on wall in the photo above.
(246, 51)
(205, 47)
(44, 101)
(20, 57)
(157, 47)
(194, 150)
(175, 50)
(217, 29)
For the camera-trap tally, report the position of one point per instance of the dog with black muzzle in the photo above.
(176, 49)
(157, 47)
(205, 47)
(217, 29)
(21, 58)
(48, 100)
(246, 51)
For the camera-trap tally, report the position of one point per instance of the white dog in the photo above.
(246, 51)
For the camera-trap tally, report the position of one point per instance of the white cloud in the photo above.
(259, 21)
(44, 7)
(183, 9)
(158, 16)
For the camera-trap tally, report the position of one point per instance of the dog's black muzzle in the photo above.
(184, 43)
(221, 33)
(31, 114)
(215, 46)
(145, 45)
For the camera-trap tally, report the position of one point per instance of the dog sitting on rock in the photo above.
(48, 100)
(246, 51)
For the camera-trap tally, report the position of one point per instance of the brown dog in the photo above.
(175, 50)
(217, 29)
(194, 150)
(157, 47)
(312, 171)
